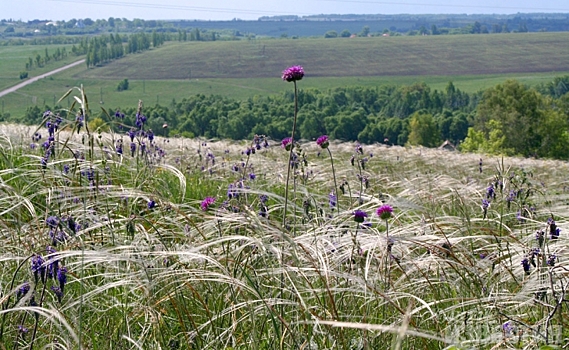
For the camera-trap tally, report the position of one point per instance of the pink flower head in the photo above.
(385, 211)
(207, 202)
(293, 73)
(286, 143)
(322, 141)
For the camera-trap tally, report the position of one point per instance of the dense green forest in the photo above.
(509, 118)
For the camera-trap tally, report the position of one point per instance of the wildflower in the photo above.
(286, 143)
(23, 290)
(22, 329)
(52, 221)
(490, 192)
(526, 265)
(293, 73)
(132, 149)
(264, 198)
(540, 237)
(252, 176)
(232, 191)
(551, 260)
(359, 215)
(151, 204)
(553, 229)
(38, 268)
(485, 204)
(508, 328)
(385, 211)
(332, 200)
(58, 293)
(322, 141)
(555, 234)
(119, 147)
(511, 196)
(62, 277)
(207, 202)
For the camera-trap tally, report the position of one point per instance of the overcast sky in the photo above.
(250, 9)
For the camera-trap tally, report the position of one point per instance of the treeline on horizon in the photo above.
(510, 118)
(19, 32)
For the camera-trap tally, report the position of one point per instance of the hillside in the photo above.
(377, 56)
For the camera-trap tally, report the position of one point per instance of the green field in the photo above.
(14, 60)
(243, 69)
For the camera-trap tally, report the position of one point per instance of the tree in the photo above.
(434, 30)
(123, 85)
(331, 34)
(519, 111)
(423, 130)
(345, 33)
(365, 31)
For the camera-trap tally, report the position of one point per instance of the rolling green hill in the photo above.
(243, 69)
(340, 57)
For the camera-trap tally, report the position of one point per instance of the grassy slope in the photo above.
(14, 60)
(240, 70)
(407, 56)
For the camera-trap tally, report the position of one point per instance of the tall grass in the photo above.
(149, 269)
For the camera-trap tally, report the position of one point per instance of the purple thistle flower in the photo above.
(293, 73)
(359, 215)
(385, 211)
(207, 202)
(286, 143)
(323, 141)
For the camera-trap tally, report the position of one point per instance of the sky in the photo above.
(26, 10)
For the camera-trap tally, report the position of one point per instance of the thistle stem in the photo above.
(334, 176)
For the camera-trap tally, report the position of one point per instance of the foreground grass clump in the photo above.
(131, 241)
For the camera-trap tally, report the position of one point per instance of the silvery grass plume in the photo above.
(437, 273)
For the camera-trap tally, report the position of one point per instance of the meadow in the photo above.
(14, 59)
(243, 69)
(116, 241)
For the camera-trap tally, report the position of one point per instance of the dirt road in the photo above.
(34, 79)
